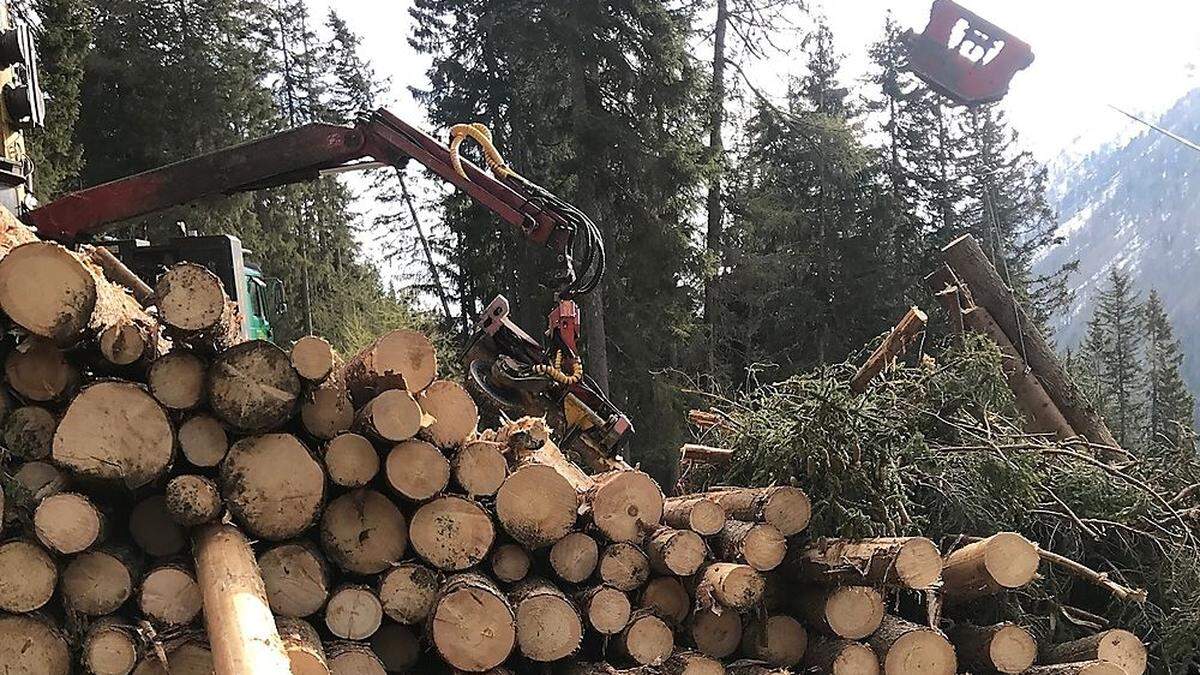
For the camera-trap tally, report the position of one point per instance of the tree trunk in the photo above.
(296, 578)
(479, 468)
(852, 612)
(911, 562)
(510, 563)
(351, 461)
(716, 146)
(786, 508)
(1004, 647)
(699, 513)
(400, 359)
(574, 557)
(302, 645)
(363, 532)
(779, 640)
(253, 387)
(192, 304)
(1119, 647)
(716, 634)
(624, 566)
(901, 646)
(451, 533)
(115, 431)
(272, 485)
(647, 639)
(177, 379)
(455, 416)
(472, 627)
(416, 470)
(548, 625)
(193, 500)
(759, 545)
(676, 552)
(408, 591)
(607, 609)
(353, 612)
(1001, 562)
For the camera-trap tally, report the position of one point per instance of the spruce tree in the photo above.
(1122, 376)
(63, 40)
(1169, 404)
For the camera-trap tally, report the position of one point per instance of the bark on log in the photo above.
(894, 345)
(60, 295)
(28, 576)
(759, 545)
(400, 359)
(354, 612)
(971, 265)
(668, 598)
(170, 595)
(110, 647)
(295, 578)
(624, 566)
(130, 342)
(1119, 647)
(647, 640)
(154, 530)
(733, 586)
(391, 417)
(189, 657)
(192, 304)
(327, 411)
(479, 468)
(417, 470)
(472, 627)
(98, 582)
(455, 416)
(911, 562)
(699, 513)
(313, 358)
(452, 533)
(548, 625)
(510, 563)
(606, 609)
(176, 379)
(1082, 668)
(786, 508)
(238, 619)
(779, 640)
(302, 644)
(40, 480)
(40, 372)
(353, 658)
(32, 646)
(363, 532)
(203, 441)
(676, 552)
(193, 500)
(839, 657)
(272, 485)
(716, 634)
(536, 505)
(851, 612)
(351, 461)
(574, 557)
(407, 592)
(397, 647)
(903, 647)
(1001, 562)
(29, 432)
(252, 387)
(1003, 647)
(115, 431)
(68, 523)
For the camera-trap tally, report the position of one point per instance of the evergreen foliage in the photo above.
(63, 39)
(1118, 312)
(1169, 403)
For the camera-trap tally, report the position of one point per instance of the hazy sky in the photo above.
(1138, 55)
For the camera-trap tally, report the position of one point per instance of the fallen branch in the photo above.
(1100, 579)
(894, 345)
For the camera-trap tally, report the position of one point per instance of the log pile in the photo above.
(179, 502)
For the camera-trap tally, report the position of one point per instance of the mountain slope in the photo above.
(1136, 206)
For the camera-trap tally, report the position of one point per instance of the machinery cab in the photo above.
(259, 298)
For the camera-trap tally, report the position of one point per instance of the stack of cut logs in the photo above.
(182, 503)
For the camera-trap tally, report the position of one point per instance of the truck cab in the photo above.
(259, 298)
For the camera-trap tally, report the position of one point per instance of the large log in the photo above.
(1003, 647)
(536, 505)
(170, 594)
(786, 508)
(574, 557)
(1119, 647)
(417, 470)
(903, 647)
(353, 612)
(779, 640)
(68, 523)
(455, 416)
(40, 372)
(115, 431)
(302, 644)
(30, 645)
(647, 639)
(238, 619)
(852, 612)
(716, 634)
(676, 552)
(699, 513)
(296, 579)
(364, 532)
(272, 485)
(624, 504)
(1001, 562)
(451, 533)
(472, 627)
(759, 545)
(28, 576)
(839, 657)
(95, 583)
(192, 304)
(252, 387)
(400, 359)
(479, 468)
(407, 592)
(548, 625)
(971, 264)
(911, 562)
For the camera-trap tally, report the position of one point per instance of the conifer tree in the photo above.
(1169, 405)
(1119, 314)
(63, 40)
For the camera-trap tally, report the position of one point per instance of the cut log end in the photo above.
(608, 610)
(31, 646)
(193, 500)
(110, 648)
(296, 579)
(667, 597)
(473, 626)
(647, 640)
(510, 563)
(480, 468)
(1113, 646)
(452, 533)
(125, 343)
(68, 523)
(272, 485)
(737, 587)
(417, 470)
(537, 506)
(313, 358)
(716, 634)
(624, 566)
(170, 596)
(779, 640)
(677, 552)
(392, 416)
(364, 532)
(353, 658)
(29, 432)
(625, 505)
(306, 655)
(203, 441)
(699, 513)
(27, 577)
(400, 359)
(39, 371)
(574, 557)
(353, 613)
(47, 290)
(454, 412)
(190, 297)
(351, 461)
(327, 411)
(407, 592)
(1001, 562)
(96, 583)
(115, 431)
(253, 387)
(548, 626)
(1012, 650)
(851, 612)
